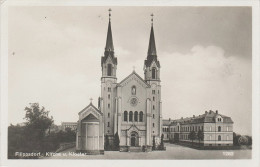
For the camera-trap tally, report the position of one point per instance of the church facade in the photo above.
(132, 108)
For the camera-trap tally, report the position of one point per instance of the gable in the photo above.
(108, 60)
(155, 64)
(90, 118)
(136, 77)
(90, 112)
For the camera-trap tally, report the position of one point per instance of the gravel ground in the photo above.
(172, 152)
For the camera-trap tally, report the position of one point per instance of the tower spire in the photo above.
(151, 54)
(151, 47)
(109, 42)
(152, 18)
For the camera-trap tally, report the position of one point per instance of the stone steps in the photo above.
(135, 149)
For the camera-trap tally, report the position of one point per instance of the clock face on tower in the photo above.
(133, 101)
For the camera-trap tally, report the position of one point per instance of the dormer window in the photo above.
(109, 70)
(153, 73)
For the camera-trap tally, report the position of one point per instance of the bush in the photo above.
(116, 142)
(154, 146)
(32, 137)
(21, 140)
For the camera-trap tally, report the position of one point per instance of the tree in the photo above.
(249, 138)
(235, 139)
(116, 141)
(162, 144)
(38, 119)
(200, 136)
(176, 137)
(243, 140)
(16, 139)
(69, 135)
(154, 146)
(31, 137)
(106, 142)
(192, 136)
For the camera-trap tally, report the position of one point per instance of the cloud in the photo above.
(206, 79)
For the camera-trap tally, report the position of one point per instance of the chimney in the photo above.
(193, 116)
(169, 119)
(216, 111)
(181, 117)
(206, 112)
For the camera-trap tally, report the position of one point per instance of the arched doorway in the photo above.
(134, 139)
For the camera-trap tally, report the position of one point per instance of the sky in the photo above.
(205, 55)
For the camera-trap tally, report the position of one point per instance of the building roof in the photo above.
(152, 47)
(151, 54)
(91, 105)
(109, 42)
(109, 49)
(166, 122)
(207, 117)
(138, 76)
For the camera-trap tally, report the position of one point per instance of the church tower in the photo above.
(108, 83)
(152, 77)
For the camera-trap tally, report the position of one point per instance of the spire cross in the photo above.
(109, 10)
(152, 18)
(91, 100)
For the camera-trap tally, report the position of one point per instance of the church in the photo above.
(132, 108)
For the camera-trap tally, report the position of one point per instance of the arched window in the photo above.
(153, 115)
(131, 116)
(133, 90)
(219, 128)
(136, 116)
(153, 73)
(141, 116)
(219, 138)
(125, 116)
(109, 70)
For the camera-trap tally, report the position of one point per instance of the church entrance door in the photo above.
(134, 139)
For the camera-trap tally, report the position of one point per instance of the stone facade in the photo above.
(71, 125)
(132, 107)
(217, 129)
